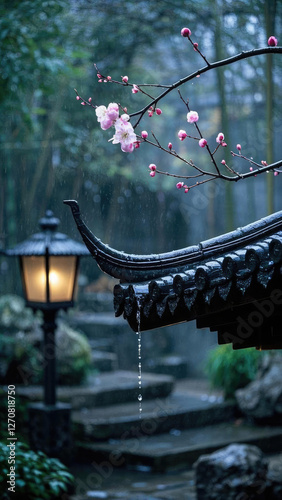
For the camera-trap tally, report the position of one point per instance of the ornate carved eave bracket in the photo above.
(214, 282)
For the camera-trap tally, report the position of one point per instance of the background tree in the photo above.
(52, 149)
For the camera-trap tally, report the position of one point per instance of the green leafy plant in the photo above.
(38, 477)
(21, 355)
(73, 354)
(230, 369)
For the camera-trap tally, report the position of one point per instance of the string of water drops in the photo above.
(139, 362)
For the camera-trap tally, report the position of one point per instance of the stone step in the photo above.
(172, 364)
(177, 411)
(97, 325)
(104, 361)
(106, 389)
(176, 450)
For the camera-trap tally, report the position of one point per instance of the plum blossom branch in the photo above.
(116, 116)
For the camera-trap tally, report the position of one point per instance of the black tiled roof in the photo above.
(231, 283)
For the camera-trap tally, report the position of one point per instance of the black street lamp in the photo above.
(49, 269)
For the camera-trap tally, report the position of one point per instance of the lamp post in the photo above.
(49, 263)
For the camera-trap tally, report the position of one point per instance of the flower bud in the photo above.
(202, 143)
(144, 134)
(272, 41)
(152, 167)
(125, 79)
(220, 137)
(158, 111)
(180, 185)
(185, 32)
(239, 147)
(192, 117)
(169, 146)
(182, 135)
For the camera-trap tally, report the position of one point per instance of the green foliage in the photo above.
(73, 354)
(230, 369)
(21, 340)
(37, 476)
(14, 316)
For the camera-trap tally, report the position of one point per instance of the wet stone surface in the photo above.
(141, 484)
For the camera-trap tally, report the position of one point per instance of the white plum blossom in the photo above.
(103, 118)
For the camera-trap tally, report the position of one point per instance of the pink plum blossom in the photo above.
(186, 32)
(113, 111)
(202, 143)
(192, 117)
(272, 41)
(182, 135)
(125, 79)
(220, 138)
(152, 167)
(180, 185)
(152, 174)
(124, 134)
(135, 89)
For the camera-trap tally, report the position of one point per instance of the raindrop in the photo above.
(139, 359)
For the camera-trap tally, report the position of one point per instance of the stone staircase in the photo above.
(172, 433)
(181, 417)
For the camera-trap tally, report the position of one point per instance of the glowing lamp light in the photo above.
(49, 269)
(49, 266)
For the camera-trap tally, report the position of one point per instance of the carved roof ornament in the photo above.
(231, 283)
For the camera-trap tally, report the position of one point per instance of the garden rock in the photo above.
(262, 398)
(236, 472)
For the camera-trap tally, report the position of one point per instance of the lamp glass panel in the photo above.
(62, 274)
(34, 272)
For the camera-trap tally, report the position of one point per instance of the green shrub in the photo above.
(73, 353)
(229, 369)
(21, 347)
(38, 477)
(14, 316)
